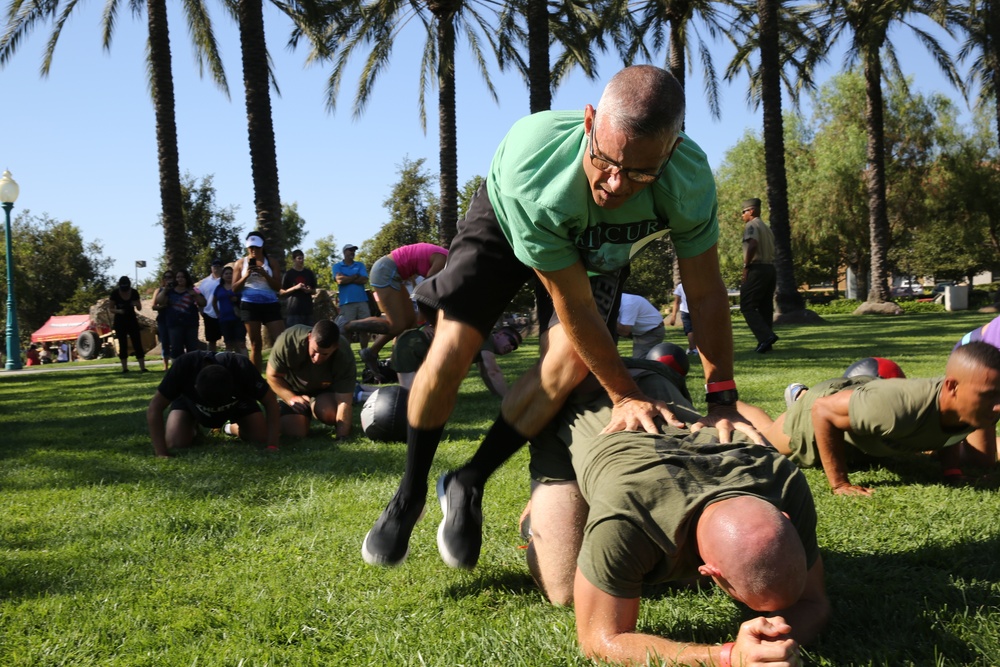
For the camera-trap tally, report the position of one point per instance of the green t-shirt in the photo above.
(290, 357)
(542, 199)
(646, 491)
(888, 418)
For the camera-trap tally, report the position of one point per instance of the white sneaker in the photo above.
(792, 393)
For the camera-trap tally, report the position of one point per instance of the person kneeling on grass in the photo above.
(956, 414)
(210, 389)
(611, 512)
(313, 373)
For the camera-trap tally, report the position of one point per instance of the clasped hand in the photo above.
(765, 641)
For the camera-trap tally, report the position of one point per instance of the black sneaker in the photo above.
(388, 542)
(460, 535)
(371, 361)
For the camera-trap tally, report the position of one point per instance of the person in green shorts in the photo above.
(313, 373)
(894, 417)
(612, 512)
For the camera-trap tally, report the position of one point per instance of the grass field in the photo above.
(228, 556)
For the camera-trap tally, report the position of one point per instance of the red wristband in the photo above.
(725, 385)
(726, 656)
(952, 472)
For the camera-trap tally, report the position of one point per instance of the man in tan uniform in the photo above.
(757, 287)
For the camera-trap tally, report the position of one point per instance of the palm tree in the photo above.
(785, 36)
(22, 16)
(868, 22)
(631, 22)
(260, 127)
(570, 23)
(981, 22)
(373, 24)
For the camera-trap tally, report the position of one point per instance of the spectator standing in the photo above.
(125, 302)
(208, 315)
(351, 277)
(234, 334)
(680, 305)
(298, 285)
(759, 278)
(31, 356)
(161, 307)
(640, 320)
(389, 273)
(63, 353)
(182, 302)
(257, 278)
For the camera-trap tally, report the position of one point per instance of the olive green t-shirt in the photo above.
(290, 357)
(646, 490)
(888, 418)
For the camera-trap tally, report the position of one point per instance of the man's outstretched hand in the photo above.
(765, 641)
(639, 413)
(726, 418)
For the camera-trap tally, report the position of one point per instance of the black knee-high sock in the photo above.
(421, 445)
(500, 444)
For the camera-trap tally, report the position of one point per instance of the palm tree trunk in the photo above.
(448, 155)
(788, 297)
(162, 85)
(539, 79)
(260, 128)
(878, 219)
(675, 51)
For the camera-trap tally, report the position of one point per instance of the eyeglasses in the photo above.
(748, 210)
(611, 167)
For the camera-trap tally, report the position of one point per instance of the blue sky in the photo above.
(81, 143)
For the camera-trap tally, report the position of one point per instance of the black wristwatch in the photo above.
(724, 397)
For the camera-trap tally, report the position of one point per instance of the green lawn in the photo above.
(228, 556)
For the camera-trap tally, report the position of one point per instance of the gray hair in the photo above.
(644, 101)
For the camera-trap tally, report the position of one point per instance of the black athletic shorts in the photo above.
(213, 331)
(260, 312)
(216, 420)
(483, 274)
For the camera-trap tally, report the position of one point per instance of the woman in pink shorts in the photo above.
(387, 276)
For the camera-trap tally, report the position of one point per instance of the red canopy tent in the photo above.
(65, 327)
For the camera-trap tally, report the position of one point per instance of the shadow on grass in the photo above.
(928, 592)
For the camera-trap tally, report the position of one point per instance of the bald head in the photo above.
(644, 101)
(753, 552)
(971, 391)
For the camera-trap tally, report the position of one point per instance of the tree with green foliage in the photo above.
(371, 26)
(321, 258)
(788, 47)
(55, 271)
(868, 23)
(23, 15)
(639, 28)
(294, 225)
(413, 213)
(211, 230)
(980, 19)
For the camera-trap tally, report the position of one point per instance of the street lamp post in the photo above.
(8, 195)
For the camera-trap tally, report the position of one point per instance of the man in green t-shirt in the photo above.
(313, 373)
(569, 199)
(893, 417)
(612, 512)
